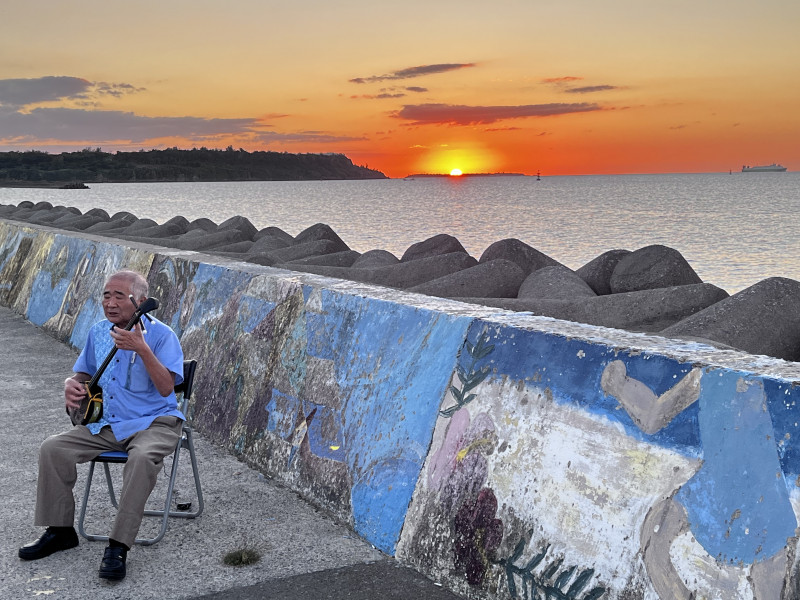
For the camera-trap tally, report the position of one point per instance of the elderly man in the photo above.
(140, 417)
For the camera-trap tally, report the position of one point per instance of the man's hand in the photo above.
(134, 340)
(74, 392)
(130, 340)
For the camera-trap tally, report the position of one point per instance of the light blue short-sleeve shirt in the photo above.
(131, 401)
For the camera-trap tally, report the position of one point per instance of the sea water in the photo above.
(734, 229)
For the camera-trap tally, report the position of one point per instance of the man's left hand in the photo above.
(129, 340)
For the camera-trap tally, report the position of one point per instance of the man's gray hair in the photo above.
(139, 285)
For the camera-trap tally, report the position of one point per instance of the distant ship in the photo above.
(773, 168)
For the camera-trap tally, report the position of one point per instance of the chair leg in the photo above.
(186, 442)
(110, 485)
(82, 516)
(196, 472)
(165, 513)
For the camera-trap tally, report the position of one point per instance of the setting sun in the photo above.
(455, 172)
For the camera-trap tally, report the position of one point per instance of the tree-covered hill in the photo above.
(36, 168)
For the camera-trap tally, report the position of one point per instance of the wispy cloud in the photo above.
(19, 93)
(455, 114)
(315, 137)
(391, 92)
(590, 89)
(411, 72)
(116, 89)
(503, 129)
(561, 80)
(381, 96)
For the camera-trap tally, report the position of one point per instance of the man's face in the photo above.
(117, 306)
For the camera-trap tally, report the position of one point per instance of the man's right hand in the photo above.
(74, 392)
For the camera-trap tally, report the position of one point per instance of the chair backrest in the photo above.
(185, 387)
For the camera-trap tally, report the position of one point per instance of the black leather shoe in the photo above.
(113, 564)
(53, 539)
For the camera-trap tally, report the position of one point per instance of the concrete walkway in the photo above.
(304, 553)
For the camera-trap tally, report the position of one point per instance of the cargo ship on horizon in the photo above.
(773, 168)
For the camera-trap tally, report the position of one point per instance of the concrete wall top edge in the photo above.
(686, 351)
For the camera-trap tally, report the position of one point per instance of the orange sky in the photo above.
(567, 87)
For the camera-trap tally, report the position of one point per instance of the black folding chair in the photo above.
(186, 441)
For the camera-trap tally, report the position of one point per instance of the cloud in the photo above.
(390, 92)
(381, 96)
(19, 93)
(22, 92)
(116, 89)
(590, 89)
(454, 114)
(103, 128)
(24, 121)
(559, 80)
(316, 137)
(74, 124)
(410, 72)
(503, 129)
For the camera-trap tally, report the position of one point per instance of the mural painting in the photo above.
(332, 394)
(737, 505)
(562, 468)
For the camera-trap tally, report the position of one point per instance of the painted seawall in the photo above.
(501, 454)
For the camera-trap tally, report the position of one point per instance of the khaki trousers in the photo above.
(59, 455)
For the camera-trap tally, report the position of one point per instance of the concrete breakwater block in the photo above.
(374, 259)
(140, 225)
(499, 278)
(118, 222)
(651, 267)
(345, 258)
(274, 232)
(203, 224)
(234, 249)
(167, 230)
(646, 311)
(598, 271)
(403, 275)
(433, 246)
(194, 240)
(74, 222)
(304, 250)
(321, 232)
(761, 319)
(528, 258)
(268, 242)
(555, 282)
(241, 224)
(653, 289)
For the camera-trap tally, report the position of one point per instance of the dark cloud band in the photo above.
(590, 89)
(410, 72)
(22, 92)
(103, 127)
(454, 114)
